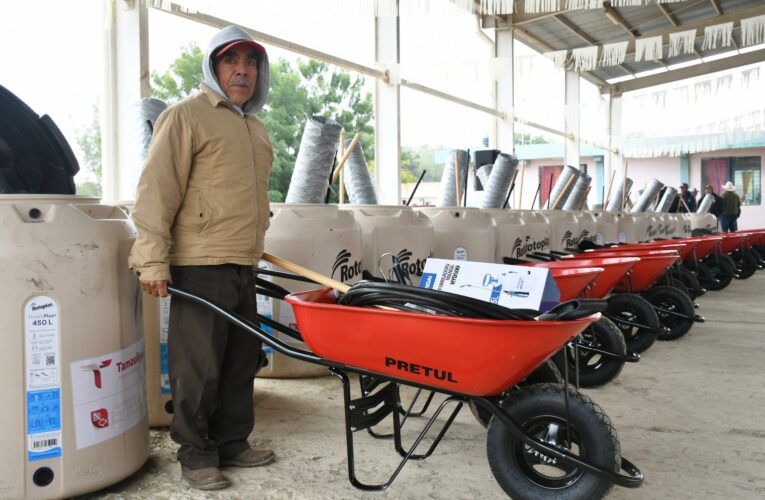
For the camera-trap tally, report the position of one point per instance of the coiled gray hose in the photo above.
(149, 110)
(499, 181)
(314, 161)
(358, 183)
(449, 195)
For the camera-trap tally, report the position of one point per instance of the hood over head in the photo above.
(224, 39)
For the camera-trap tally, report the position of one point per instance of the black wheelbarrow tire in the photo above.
(704, 275)
(595, 370)
(540, 410)
(672, 299)
(746, 263)
(546, 373)
(690, 280)
(633, 307)
(722, 269)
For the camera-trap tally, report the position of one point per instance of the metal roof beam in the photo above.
(616, 18)
(665, 10)
(716, 6)
(584, 36)
(726, 63)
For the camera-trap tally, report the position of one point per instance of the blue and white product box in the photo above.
(514, 287)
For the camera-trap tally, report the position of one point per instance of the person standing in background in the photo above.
(731, 208)
(688, 201)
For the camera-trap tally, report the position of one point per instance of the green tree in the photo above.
(89, 141)
(182, 78)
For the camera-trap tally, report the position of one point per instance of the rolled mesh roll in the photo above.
(499, 181)
(575, 200)
(667, 200)
(149, 110)
(313, 165)
(449, 195)
(648, 196)
(483, 173)
(706, 204)
(615, 203)
(562, 188)
(358, 182)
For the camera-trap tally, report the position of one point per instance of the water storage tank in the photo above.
(627, 228)
(647, 226)
(565, 230)
(462, 233)
(588, 226)
(321, 238)
(72, 355)
(537, 237)
(156, 317)
(397, 230)
(607, 224)
(703, 221)
(665, 227)
(511, 232)
(684, 225)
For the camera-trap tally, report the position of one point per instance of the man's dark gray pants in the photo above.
(212, 364)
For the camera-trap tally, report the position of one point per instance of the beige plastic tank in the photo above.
(628, 227)
(396, 230)
(73, 354)
(462, 233)
(607, 224)
(588, 225)
(684, 225)
(703, 221)
(665, 225)
(647, 226)
(156, 317)
(565, 230)
(511, 232)
(537, 238)
(318, 237)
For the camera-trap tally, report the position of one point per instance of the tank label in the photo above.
(108, 394)
(265, 305)
(460, 253)
(164, 327)
(43, 377)
(622, 237)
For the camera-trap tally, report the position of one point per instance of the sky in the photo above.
(60, 71)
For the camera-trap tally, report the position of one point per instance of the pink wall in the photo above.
(643, 170)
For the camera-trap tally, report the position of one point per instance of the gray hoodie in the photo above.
(224, 37)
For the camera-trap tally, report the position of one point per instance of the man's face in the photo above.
(708, 190)
(237, 73)
(683, 189)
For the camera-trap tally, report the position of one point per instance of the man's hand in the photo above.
(156, 288)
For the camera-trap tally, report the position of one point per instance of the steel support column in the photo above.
(614, 160)
(571, 110)
(504, 128)
(388, 112)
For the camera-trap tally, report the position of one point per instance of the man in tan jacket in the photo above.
(201, 213)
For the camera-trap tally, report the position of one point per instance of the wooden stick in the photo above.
(533, 202)
(305, 272)
(520, 192)
(624, 186)
(345, 156)
(584, 200)
(608, 194)
(684, 204)
(565, 188)
(341, 194)
(457, 176)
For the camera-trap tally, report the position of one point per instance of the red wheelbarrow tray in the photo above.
(685, 248)
(731, 241)
(475, 357)
(653, 263)
(571, 282)
(704, 244)
(614, 269)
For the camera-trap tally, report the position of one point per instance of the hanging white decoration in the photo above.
(558, 58)
(682, 42)
(613, 53)
(537, 6)
(585, 58)
(649, 48)
(583, 4)
(626, 3)
(750, 77)
(723, 82)
(491, 7)
(723, 32)
(753, 31)
(668, 1)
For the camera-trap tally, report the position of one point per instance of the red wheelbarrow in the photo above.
(543, 439)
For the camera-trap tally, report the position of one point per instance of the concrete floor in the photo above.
(691, 415)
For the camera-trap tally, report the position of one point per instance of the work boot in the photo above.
(207, 478)
(249, 458)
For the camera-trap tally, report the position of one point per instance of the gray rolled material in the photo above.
(149, 110)
(499, 181)
(562, 188)
(615, 203)
(667, 200)
(483, 174)
(706, 204)
(449, 196)
(575, 200)
(314, 162)
(648, 196)
(358, 183)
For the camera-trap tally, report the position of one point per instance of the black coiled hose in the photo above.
(409, 298)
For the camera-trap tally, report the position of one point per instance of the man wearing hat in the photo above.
(688, 202)
(731, 208)
(201, 213)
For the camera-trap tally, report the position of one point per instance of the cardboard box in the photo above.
(514, 287)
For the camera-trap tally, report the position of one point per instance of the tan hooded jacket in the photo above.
(203, 194)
